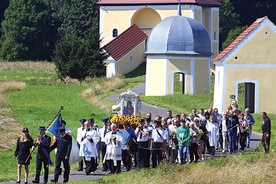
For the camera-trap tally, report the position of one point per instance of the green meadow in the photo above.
(38, 101)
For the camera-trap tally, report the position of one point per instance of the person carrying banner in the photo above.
(63, 145)
(43, 154)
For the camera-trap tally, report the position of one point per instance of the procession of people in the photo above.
(178, 139)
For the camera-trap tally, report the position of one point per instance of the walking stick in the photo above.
(61, 108)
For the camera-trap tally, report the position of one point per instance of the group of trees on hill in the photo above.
(67, 31)
(63, 31)
(237, 15)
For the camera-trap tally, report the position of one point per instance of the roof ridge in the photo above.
(125, 42)
(242, 36)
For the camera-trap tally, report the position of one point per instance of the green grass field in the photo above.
(44, 94)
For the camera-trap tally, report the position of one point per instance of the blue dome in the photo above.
(179, 35)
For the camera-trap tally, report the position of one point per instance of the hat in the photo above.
(25, 130)
(148, 119)
(41, 128)
(105, 120)
(82, 121)
(141, 121)
(64, 122)
(61, 129)
(91, 120)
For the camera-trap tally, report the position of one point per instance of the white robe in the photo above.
(212, 128)
(113, 151)
(89, 149)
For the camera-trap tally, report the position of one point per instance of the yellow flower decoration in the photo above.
(133, 120)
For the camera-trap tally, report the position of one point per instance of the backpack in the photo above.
(132, 145)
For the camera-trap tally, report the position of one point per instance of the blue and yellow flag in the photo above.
(54, 127)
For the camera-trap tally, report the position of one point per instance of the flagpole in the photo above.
(61, 108)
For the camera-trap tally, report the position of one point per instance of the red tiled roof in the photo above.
(239, 39)
(141, 2)
(125, 42)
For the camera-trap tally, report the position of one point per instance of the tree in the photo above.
(250, 10)
(3, 6)
(77, 58)
(229, 19)
(232, 35)
(77, 53)
(25, 30)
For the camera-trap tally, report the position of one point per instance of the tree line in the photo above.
(67, 31)
(63, 31)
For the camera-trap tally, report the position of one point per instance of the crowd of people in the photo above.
(177, 139)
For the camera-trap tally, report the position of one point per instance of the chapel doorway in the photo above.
(179, 83)
(246, 96)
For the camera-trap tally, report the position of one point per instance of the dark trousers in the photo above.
(193, 152)
(207, 144)
(103, 150)
(66, 169)
(114, 169)
(156, 154)
(127, 159)
(147, 155)
(220, 140)
(212, 150)
(242, 140)
(38, 169)
(232, 138)
(90, 165)
(142, 156)
(266, 141)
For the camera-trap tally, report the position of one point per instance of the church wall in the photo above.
(143, 14)
(110, 70)
(119, 19)
(262, 77)
(219, 89)
(180, 65)
(253, 53)
(201, 76)
(206, 21)
(214, 35)
(155, 76)
(198, 15)
(125, 65)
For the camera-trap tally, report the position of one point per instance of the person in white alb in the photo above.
(80, 131)
(113, 155)
(88, 148)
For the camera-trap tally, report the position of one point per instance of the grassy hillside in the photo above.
(31, 94)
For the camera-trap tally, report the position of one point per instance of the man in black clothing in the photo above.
(266, 128)
(43, 155)
(63, 145)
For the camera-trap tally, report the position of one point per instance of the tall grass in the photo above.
(233, 169)
(27, 66)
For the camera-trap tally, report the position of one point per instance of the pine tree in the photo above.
(25, 31)
(78, 54)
